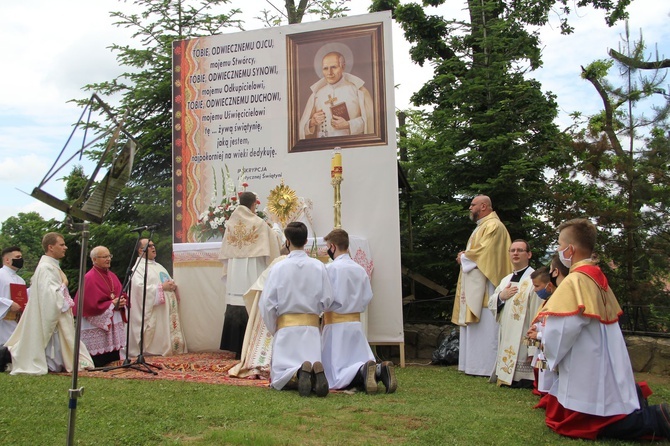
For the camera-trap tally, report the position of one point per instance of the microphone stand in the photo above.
(139, 364)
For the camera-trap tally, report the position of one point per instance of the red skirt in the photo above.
(573, 424)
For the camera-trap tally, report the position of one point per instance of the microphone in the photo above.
(144, 228)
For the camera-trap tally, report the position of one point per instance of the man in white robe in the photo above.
(295, 294)
(163, 334)
(249, 245)
(483, 265)
(345, 352)
(514, 304)
(12, 261)
(44, 338)
(595, 394)
(339, 104)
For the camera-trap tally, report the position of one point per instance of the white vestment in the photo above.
(163, 334)
(350, 92)
(344, 346)
(7, 326)
(297, 285)
(594, 372)
(515, 317)
(44, 338)
(241, 275)
(257, 346)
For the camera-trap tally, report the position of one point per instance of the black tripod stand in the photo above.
(139, 363)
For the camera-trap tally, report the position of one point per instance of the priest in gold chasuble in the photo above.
(249, 245)
(484, 263)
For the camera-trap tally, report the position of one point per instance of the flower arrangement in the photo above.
(211, 223)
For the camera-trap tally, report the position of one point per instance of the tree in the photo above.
(624, 153)
(326, 9)
(145, 90)
(491, 127)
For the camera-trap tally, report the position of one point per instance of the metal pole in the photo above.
(74, 392)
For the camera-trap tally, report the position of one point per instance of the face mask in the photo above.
(331, 254)
(553, 279)
(543, 294)
(17, 263)
(566, 262)
(287, 246)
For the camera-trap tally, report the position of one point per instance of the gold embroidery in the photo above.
(239, 236)
(509, 361)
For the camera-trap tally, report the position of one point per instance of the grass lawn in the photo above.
(433, 406)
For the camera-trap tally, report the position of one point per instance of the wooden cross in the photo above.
(331, 100)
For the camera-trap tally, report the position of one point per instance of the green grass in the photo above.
(433, 406)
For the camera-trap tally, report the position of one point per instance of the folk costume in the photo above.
(257, 347)
(484, 263)
(103, 329)
(295, 294)
(8, 325)
(248, 247)
(514, 317)
(349, 94)
(344, 346)
(595, 395)
(44, 338)
(163, 334)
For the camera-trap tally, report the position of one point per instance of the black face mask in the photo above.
(553, 278)
(17, 263)
(286, 245)
(331, 254)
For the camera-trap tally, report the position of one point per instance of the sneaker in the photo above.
(305, 379)
(387, 376)
(320, 380)
(369, 377)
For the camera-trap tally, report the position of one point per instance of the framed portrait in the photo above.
(336, 87)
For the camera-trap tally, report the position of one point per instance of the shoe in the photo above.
(305, 379)
(5, 358)
(663, 420)
(320, 380)
(387, 376)
(369, 371)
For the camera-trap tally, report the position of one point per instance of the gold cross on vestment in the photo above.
(331, 100)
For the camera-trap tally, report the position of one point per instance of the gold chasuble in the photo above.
(487, 247)
(584, 291)
(248, 235)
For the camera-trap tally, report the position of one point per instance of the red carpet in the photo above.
(209, 367)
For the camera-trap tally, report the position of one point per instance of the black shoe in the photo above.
(369, 371)
(387, 376)
(320, 380)
(305, 379)
(5, 358)
(662, 420)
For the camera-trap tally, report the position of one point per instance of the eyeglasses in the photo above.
(517, 250)
(106, 257)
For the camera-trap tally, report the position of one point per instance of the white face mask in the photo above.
(566, 262)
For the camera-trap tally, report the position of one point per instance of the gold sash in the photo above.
(297, 320)
(337, 318)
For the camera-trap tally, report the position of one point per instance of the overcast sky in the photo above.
(53, 48)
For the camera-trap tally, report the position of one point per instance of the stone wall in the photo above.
(647, 354)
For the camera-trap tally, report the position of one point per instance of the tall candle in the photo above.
(336, 164)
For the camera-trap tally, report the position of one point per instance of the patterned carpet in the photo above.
(207, 367)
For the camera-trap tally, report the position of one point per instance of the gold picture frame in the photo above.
(362, 48)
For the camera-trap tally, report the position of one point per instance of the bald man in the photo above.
(484, 263)
(339, 105)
